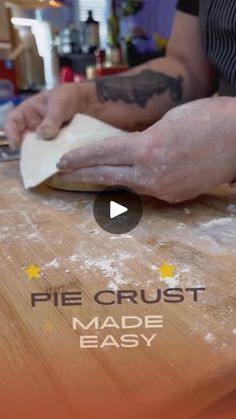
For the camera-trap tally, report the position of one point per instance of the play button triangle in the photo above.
(116, 209)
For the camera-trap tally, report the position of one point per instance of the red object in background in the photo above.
(102, 70)
(100, 57)
(66, 75)
(79, 77)
(7, 72)
(110, 71)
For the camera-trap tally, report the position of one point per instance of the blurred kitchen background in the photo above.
(47, 42)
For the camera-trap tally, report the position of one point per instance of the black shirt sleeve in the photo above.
(189, 6)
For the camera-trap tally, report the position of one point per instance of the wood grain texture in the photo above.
(43, 371)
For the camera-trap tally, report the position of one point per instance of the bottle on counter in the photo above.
(114, 48)
(91, 28)
(68, 40)
(113, 27)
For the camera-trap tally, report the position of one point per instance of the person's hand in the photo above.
(44, 113)
(192, 149)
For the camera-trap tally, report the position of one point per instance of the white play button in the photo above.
(116, 209)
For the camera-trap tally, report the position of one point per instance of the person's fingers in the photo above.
(54, 118)
(25, 117)
(102, 175)
(115, 151)
(33, 122)
(14, 128)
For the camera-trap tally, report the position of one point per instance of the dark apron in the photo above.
(207, 13)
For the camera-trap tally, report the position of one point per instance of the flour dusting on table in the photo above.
(53, 264)
(210, 338)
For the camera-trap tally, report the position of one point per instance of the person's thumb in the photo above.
(52, 121)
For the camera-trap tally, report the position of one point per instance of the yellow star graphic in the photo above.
(48, 327)
(166, 271)
(33, 272)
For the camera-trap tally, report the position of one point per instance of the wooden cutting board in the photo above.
(191, 361)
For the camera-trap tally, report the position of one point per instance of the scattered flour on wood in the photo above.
(94, 232)
(113, 267)
(185, 270)
(75, 258)
(125, 256)
(217, 222)
(187, 211)
(61, 204)
(209, 338)
(18, 225)
(121, 236)
(53, 264)
(107, 267)
(219, 232)
(172, 282)
(114, 285)
(181, 226)
(231, 207)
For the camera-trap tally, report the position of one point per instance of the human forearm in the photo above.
(133, 100)
(141, 96)
(144, 94)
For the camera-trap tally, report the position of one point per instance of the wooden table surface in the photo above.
(191, 363)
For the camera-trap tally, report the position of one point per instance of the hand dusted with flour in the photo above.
(188, 152)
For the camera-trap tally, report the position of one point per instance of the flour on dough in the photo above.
(39, 157)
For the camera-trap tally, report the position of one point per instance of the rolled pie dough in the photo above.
(39, 157)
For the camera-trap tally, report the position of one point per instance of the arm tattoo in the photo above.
(139, 88)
